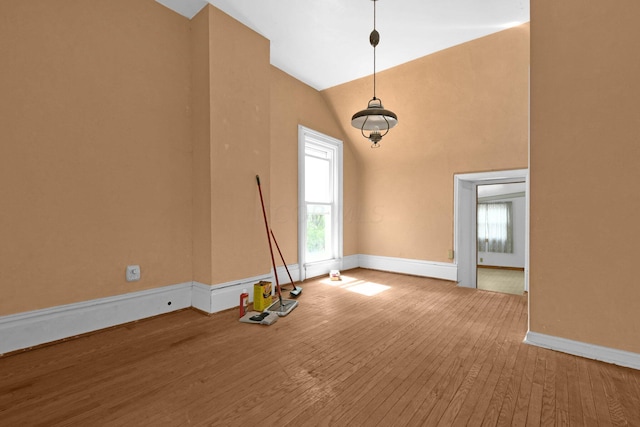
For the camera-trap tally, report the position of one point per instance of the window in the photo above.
(320, 170)
(495, 227)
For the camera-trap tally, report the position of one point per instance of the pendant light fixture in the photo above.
(374, 122)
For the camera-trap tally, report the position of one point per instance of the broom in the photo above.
(282, 310)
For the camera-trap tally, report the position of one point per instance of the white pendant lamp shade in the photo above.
(375, 117)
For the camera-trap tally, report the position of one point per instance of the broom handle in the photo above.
(282, 258)
(266, 225)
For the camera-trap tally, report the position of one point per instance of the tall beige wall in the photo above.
(201, 132)
(139, 141)
(231, 128)
(240, 147)
(460, 110)
(131, 135)
(95, 154)
(294, 103)
(584, 171)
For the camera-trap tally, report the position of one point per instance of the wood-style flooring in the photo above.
(419, 352)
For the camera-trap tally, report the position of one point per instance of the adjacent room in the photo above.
(501, 214)
(465, 267)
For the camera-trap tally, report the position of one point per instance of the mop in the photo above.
(258, 318)
(296, 291)
(281, 307)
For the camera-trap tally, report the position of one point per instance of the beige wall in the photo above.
(584, 172)
(130, 140)
(460, 110)
(137, 141)
(95, 160)
(231, 145)
(240, 147)
(201, 134)
(294, 103)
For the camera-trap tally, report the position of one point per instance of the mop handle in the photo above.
(282, 258)
(266, 225)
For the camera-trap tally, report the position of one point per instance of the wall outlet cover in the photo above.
(133, 273)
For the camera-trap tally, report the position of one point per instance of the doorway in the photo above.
(465, 221)
(500, 214)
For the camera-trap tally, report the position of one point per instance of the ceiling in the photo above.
(494, 190)
(325, 43)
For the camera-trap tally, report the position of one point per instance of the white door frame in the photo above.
(464, 218)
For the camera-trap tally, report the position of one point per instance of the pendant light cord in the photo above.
(374, 50)
(374, 117)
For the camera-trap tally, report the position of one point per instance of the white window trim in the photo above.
(319, 267)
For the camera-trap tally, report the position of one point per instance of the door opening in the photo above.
(500, 247)
(465, 221)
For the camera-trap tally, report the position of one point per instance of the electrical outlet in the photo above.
(450, 254)
(481, 259)
(133, 273)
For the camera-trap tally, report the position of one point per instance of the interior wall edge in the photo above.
(223, 296)
(582, 349)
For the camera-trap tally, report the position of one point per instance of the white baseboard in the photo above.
(590, 351)
(317, 269)
(28, 329)
(321, 268)
(437, 270)
(350, 262)
(283, 277)
(223, 296)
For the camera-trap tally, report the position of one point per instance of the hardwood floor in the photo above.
(422, 352)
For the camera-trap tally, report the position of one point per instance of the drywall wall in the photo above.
(460, 110)
(240, 147)
(201, 132)
(294, 103)
(95, 159)
(515, 259)
(140, 145)
(147, 153)
(584, 168)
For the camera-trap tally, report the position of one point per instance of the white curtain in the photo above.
(495, 227)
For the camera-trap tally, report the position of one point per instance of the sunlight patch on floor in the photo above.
(368, 288)
(358, 286)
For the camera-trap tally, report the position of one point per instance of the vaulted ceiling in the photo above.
(325, 43)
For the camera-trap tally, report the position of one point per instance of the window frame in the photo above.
(506, 246)
(322, 142)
